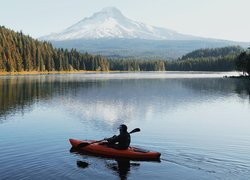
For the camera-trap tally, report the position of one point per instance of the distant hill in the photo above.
(215, 59)
(141, 48)
(108, 32)
(213, 52)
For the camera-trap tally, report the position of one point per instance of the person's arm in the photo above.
(113, 139)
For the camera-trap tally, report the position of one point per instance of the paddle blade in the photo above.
(82, 164)
(135, 130)
(84, 144)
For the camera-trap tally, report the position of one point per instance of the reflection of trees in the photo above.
(221, 86)
(110, 100)
(19, 93)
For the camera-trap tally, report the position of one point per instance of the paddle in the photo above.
(84, 144)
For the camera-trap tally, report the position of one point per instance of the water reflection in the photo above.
(122, 167)
(222, 86)
(114, 101)
(19, 94)
(82, 164)
(117, 102)
(191, 121)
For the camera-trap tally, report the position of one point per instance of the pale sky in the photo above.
(221, 19)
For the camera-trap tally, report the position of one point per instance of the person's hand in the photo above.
(103, 143)
(109, 137)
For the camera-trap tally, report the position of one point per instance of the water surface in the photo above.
(199, 122)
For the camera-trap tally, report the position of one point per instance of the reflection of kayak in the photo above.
(103, 150)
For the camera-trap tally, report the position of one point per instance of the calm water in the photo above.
(199, 122)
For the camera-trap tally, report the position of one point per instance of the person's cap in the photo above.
(122, 127)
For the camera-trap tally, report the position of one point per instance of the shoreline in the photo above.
(238, 77)
(111, 71)
(51, 72)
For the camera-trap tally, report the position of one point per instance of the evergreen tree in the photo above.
(243, 63)
(19, 52)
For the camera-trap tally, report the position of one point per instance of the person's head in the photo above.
(123, 128)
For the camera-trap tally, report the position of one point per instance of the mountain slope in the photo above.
(110, 33)
(141, 48)
(111, 23)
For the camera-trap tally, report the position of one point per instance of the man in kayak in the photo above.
(122, 141)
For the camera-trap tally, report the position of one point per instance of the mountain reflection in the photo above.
(113, 101)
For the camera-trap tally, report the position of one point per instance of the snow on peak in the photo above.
(111, 23)
(112, 11)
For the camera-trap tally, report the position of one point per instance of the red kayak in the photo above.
(104, 150)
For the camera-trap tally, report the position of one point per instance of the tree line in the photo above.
(130, 64)
(243, 62)
(215, 59)
(19, 52)
(213, 52)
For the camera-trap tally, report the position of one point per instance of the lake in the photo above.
(200, 122)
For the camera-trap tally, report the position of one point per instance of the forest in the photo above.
(243, 62)
(19, 52)
(214, 59)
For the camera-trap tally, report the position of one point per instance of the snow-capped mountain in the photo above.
(111, 23)
(111, 34)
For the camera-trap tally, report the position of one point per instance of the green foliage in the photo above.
(19, 52)
(136, 65)
(213, 52)
(243, 63)
(218, 59)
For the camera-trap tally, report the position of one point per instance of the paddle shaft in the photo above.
(86, 144)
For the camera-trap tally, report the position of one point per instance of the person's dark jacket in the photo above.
(122, 141)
